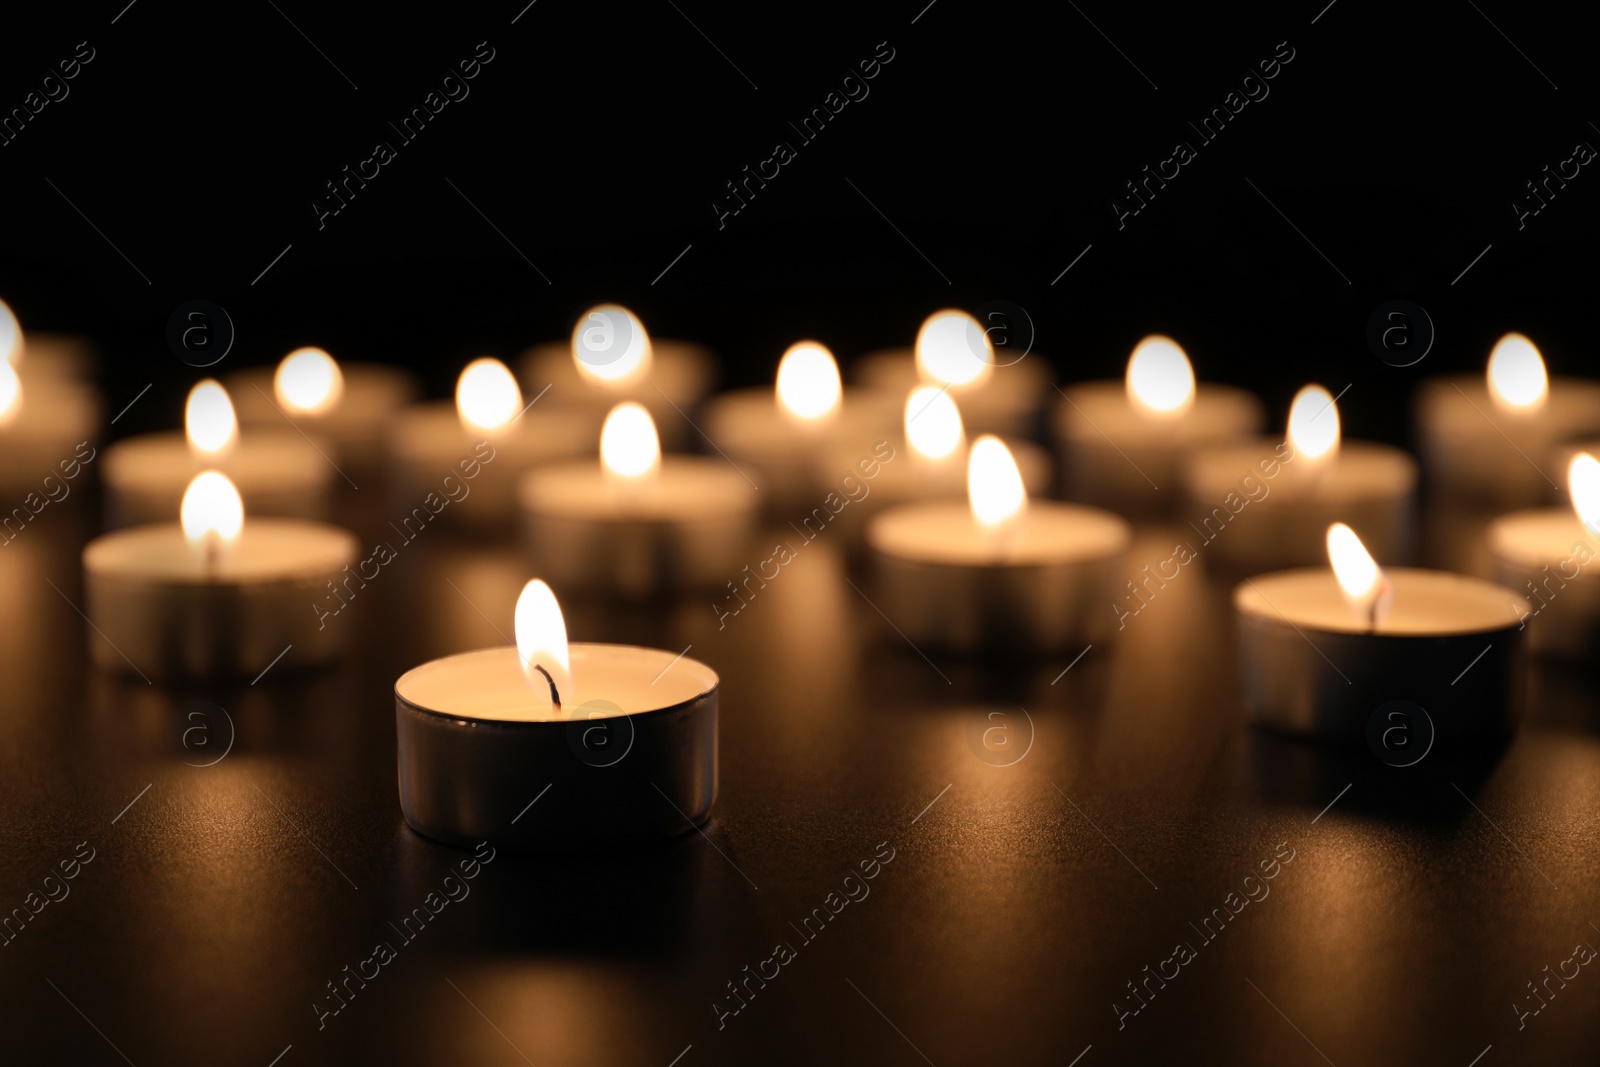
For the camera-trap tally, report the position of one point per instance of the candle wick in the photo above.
(555, 696)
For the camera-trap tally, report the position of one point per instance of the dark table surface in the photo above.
(247, 845)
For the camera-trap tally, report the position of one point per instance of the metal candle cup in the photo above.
(1310, 665)
(157, 607)
(631, 756)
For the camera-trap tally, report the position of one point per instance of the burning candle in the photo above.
(462, 461)
(1267, 503)
(347, 404)
(1123, 443)
(1493, 441)
(215, 593)
(611, 357)
(953, 351)
(931, 461)
(615, 743)
(277, 472)
(1541, 553)
(634, 523)
(1322, 649)
(47, 429)
(40, 357)
(787, 439)
(998, 570)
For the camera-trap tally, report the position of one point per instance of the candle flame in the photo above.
(933, 422)
(309, 381)
(1583, 483)
(809, 389)
(10, 393)
(953, 349)
(487, 397)
(994, 484)
(1517, 378)
(1314, 424)
(610, 346)
(1160, 379)
(542, 641)
(212, 511)
(1362, 581)
(629, 445)
(10, 335)
(209, 421)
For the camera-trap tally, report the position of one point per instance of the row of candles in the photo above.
(1320, 647)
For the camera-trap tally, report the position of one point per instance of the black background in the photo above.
(595, 141)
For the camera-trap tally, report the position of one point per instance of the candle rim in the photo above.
(554, 723)
(1251, 603)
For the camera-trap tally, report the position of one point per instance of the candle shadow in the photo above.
(662, 902)
(1434, 791)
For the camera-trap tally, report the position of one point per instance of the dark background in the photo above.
(595, 142)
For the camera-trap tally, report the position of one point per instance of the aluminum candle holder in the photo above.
(637, 765)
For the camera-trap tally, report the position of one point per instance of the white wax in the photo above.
(490, 684)
(54, 418)
(1361, 471)
(1426, 603)
(372, 394)
(913, 476)
(687, 489)
(267, 550)
(1002, 403)
(276, 473)
(1469, 444)
(1540, 536)
(946, 532)
(681, 373)
(1092, 412)
(432, 438)
(792, 457)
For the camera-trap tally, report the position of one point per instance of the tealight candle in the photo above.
(634, 523)
(281, 473)
(215, 593)
(470, 455)
(611, 357)
(552, 745)
(954, 351)
(1268, 504)
(347, 404)
(997, 570)
(57, 357)
(786, 439)
(1123, 443)
(1322, 649)
(46, 428)
(1492, 440)
(932, 462)
(1541, 554)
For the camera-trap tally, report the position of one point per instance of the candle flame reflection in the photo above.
(946, 352)
(10, 393)
(1517, 378)
(212, 511)
(542, 641)
(1314, 424)
(209, 421)
(487, 397)
(933, 423)
(308, 380)
(1160, 379)
(611, 347)
(994, 484)
(1583, 483)
(629, 445)
(809, 389)
(1362, 581)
